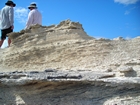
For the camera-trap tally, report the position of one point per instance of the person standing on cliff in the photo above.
(7, 21)
(34, 16)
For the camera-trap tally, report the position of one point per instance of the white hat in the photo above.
(32, 5)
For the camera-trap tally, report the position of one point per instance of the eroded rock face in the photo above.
(40, 44)
(62, 65)
(59, 87)
(41, 35)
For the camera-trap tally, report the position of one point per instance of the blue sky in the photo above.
(100, 18)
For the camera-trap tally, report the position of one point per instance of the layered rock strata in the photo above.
(62, 65)
(59, 87)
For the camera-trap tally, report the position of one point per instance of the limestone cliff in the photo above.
(62, 65)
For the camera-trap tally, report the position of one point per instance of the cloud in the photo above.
(126, 2)
(128, 38)
(21, 14)
(127, 12)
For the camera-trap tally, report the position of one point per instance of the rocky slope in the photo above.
(62, 65)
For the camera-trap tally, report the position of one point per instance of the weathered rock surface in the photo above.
(58, 87)
(62, 65)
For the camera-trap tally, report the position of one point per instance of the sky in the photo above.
(100, 18)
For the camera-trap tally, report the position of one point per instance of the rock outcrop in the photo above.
(62, 65)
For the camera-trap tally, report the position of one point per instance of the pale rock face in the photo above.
(61, 64)
(47, 43)
(37, 34)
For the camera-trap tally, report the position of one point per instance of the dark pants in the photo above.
(4, 33)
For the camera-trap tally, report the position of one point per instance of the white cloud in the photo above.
(127, 12)
(128, 38)
(126, 2)
(21, 14)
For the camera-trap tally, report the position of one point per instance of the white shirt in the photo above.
(6, 17)
(34, 17)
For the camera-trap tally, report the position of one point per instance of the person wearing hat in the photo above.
(7, 21)
(34, 16)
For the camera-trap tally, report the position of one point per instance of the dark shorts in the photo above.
(5, 32)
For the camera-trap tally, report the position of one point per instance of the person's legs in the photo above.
(9, 42)
(1, 42)
(3, 37)
(9, 31)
